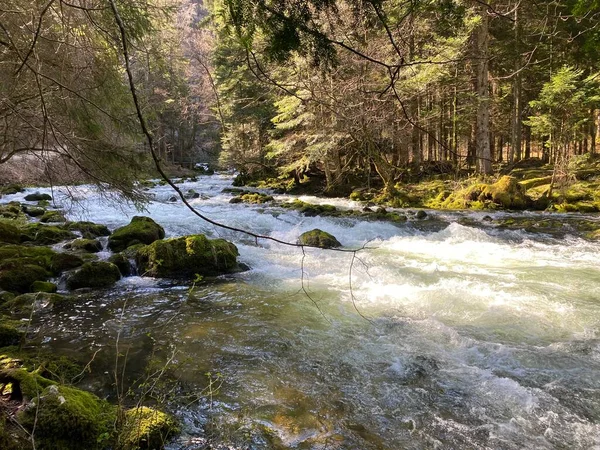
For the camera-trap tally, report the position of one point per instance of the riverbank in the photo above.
(523, 186)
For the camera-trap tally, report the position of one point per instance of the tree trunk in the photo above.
(517, 107)
(484, 160)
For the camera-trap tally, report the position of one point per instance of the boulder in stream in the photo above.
(186, 256)
(98, 274)
(318, 238)
(141, 230)
(36, 197)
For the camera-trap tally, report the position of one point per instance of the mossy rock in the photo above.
(256, 198)
(5, 296)
(45, 257)
(593, 235)
(98, 274)
(146, 428)
(311, 210)
(45, 234)
(37, 196)
(53, 216)
(44, 286)
(318, 238)
(23, 304)
(9, 233)
(16, 276)
(186, 256)
(10, 332)
(122, 262)
(12, 210)
(141, 230)
(85, 245)
(11, 189)
(63, 417)
(33, 211)
(89, 230)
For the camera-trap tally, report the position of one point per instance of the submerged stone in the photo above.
(186, 256)
(318, 238)
(141, 230)
(99, 274)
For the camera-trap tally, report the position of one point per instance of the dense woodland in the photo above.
(358, 92)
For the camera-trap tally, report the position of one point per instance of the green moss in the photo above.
(43, 286)
(16, 276)
(89, 230)
(33, 211)
(22, 304)
(97, 274)
(141, 230)
(535, 182)
(593, 235)
(318, 238)
(11, 189)
(47, 258)
(36, 197)
(85, 245)
(5, 297)
(146, 428)
(12, 210)
(10, 332)
(122, 262)
(67, 418)
(45, 234)
(53, 216)
(311, 210)
(256, 198)
(184, 257)
(9, 233)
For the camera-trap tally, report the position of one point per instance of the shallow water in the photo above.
(444, 336)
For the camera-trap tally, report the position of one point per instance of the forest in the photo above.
(349, 94)
(299, 224)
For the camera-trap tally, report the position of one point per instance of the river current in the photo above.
(435, 336)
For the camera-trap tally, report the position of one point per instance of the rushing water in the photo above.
(438, 336)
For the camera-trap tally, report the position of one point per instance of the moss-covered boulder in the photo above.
(53, 216)
(17, 276)
(122, 262)
(318, 238)
(10, 332)
(37, 196)
(141, 230)
(43, 286)
(11, 189)
(24, 303)
(88, 230)
(52, 261)
(67, 418)
(98, 274)
(12, 210)
(146, 428)
(187, 256)
(45, 234)
(34, 211)
(85, 245)
(9, 233)
(5, 296)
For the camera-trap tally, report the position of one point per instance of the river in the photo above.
(437, 335)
